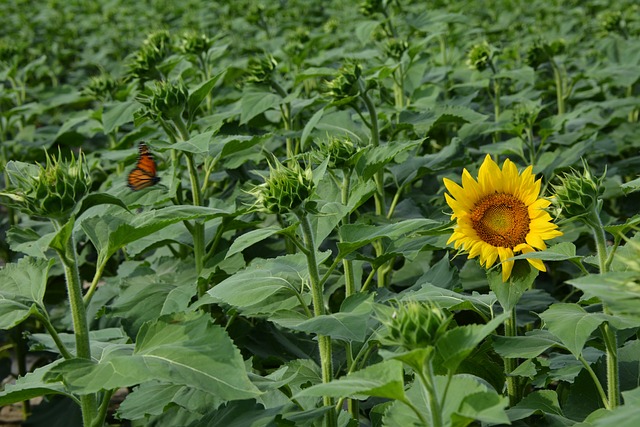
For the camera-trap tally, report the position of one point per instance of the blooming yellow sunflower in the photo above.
(500, 215)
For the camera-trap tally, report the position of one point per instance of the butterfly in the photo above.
(144, 174)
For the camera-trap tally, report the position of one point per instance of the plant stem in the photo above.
(349, 278)
(324, 341)
(428, 381)
(596, 381)
(375, 141)
(69, 260)
(198, 226)
(510, 364)
(44, 318)
(609, 335)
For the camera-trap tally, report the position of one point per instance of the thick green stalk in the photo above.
(350, 286)
(198, 226)
(375, 141)
(510, 364)
(608, 334)
(79, 316)
(324, 342)
(428, 382)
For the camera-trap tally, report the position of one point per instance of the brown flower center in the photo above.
(501, 220)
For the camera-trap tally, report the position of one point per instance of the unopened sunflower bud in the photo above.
(345, 88)
(193, 42)
(261, 69)
(396, 47)
(578, 194)
(287, 188)
(101, 87)
(145, 61)
(480, 56)
(167, 101)
(340, 151)
(414, 325)
(50, 191)
(612, 22)
(371, 7)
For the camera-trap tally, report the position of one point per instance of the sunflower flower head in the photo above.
(499, 215)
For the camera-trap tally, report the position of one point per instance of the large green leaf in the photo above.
(372, 159)
(200, 93)
(620, 291)
(526, 346)
(541, 402)
(355, 236)
(116, 115)
(349, 324)
(458, 343)
(571, 324)
(110, 233)
(384, 379)
(262, 279)
(32, 385)
(522, 277)
(254, 103)
(25, 280)
(181, 350)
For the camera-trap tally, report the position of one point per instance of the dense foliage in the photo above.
(293, 264)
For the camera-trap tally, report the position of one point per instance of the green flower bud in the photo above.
(193, 42)
(345, 88)
(167, 101)
(145, 61)
(612, 22)
(413, 325)
(101, 87)
(340, 151)
(286, 189)
(396, 47)
(8, 50)
(331, 25)
(261, 69)
(480, 56)
(371, 7)
(578, 195)
(51, 191)
(542, 52)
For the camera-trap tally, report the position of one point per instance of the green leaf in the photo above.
(423, 122)
(116, 115)
(311, 124)
(25, 280)
(521, 279)
(254, 103)
(95, 199)
(564, 251)
(181, 350)
(110, 233)
(32, 385)
(384, 379)
(62, 237)
(200, 93)
(29, 242)
(527, 346)
(199, 144)
(355, 236)
(349, 324)
(372, 159)
(263, 279)
(620, 291)
(539, 402)
(457, 344)
(250, 238)
(571, 324)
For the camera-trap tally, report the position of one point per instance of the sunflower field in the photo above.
(376, 213)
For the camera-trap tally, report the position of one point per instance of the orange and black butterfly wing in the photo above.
(144, 174)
